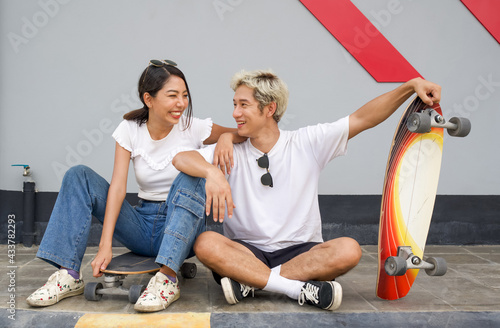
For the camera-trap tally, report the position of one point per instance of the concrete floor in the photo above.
(467, 295)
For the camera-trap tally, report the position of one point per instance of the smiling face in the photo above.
(247, 114)
(169, 103)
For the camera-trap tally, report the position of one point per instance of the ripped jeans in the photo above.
(166, 230)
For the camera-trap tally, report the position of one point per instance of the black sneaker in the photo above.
(326, 295)
(234, 291)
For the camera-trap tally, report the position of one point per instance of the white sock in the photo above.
(277, 269)
(279, 284)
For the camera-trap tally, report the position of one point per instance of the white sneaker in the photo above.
(59, 286)
(160, 293)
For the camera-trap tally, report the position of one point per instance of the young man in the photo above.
(272, 238)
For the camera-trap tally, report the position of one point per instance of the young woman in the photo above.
(158, 225)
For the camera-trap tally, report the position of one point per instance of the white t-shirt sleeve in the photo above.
(328, 140)
(201, 129)
(122, 135)
(207, 152)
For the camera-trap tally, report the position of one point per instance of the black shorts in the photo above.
(273, 259)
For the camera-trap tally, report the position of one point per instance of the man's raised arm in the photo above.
(379, 109)
(217, 188)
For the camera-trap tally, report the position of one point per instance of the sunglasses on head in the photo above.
(159, 63)
(266, 179)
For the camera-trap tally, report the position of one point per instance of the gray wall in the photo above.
(69, 70)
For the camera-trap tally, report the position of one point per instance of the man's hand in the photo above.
(218, 193)
(379, 109)
(429, 92)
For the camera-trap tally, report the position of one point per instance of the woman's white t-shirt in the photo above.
(288, 213)
(152, 159)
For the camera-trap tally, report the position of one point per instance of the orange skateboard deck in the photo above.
(408, 197)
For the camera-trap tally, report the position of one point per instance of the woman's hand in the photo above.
(223, 154)
(101, 260)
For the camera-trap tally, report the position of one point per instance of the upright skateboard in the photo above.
(408, 197)
(123, 265)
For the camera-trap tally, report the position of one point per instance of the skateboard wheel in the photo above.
(188, 270)
(463, 127)
(440, 266)
(135, 292)
(90, 291)
(395, 266)
(419, 123)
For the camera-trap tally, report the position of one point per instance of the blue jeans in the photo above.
(166, 230)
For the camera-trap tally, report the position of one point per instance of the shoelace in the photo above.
(52, 283)
(152, 289)
(310, 293)
(246, 289)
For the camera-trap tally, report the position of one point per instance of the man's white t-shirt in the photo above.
(152, 159)
(288, 213)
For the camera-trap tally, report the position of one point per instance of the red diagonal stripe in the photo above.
(363, 40)
(487, 13)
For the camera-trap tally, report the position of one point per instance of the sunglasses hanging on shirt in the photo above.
(266, 179)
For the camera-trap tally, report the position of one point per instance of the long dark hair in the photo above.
(151, 81)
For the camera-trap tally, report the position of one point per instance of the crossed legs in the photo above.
(323, 262)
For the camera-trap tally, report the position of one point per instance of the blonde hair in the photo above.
(267, 88)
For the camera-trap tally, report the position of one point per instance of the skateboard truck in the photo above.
(422, 122)
(405, 260)
(113, 285)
